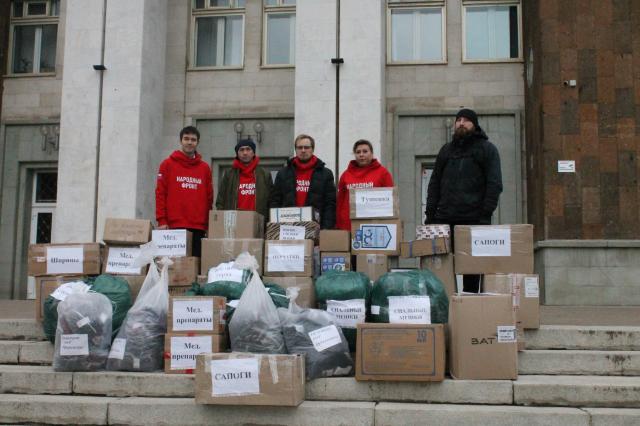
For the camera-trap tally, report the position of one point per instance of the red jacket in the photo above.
(375, 175)
(184, 192)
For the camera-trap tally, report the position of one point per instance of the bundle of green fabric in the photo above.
(409, 283)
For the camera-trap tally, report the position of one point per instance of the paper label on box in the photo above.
(376, 237)
(491, 242)
(285, 258)
(117, 348)
(347, 313)
(531, 287)
(507, 334)
(74, 344)
(334, 263)
(64, 260)
(235, 377)
(225, 272)
(290, 232)
(375, 309)
(66, 289)
(325, 337)
(192, 315)
(374, 203)
(120, 260)
(170, 242)
(184, 350)
(291, 214)
(409, 309)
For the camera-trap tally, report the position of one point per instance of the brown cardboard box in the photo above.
(400, 352)
(306, 296)
(525, 291)
(197, 314)
(201, 279)
(430, 232)
(441, 266)
(235, 224)
(376, 236)
(135, 284)
(293, 214)
(374, 203)
(178, 290)
(118, 260)
(288, 258)
(494, 249)
(184, 271)
(372, 265)
(483, 343)
(46, 285)
(335, 240)
(65, 259)
(293, 231)
(121, 232)
(218, 250)
(335, 261)
(181, 350)
(172, 242)
(418, 248)
(260, 379)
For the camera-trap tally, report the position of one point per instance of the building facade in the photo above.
(95, 92)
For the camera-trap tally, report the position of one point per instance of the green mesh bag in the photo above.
(409, 283)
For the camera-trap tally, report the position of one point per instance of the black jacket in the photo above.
(466, 182)
(321, 196)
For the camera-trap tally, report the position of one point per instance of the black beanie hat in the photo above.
(470, 115)
(246, 142)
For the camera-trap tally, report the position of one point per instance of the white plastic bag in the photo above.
(139, 345)
(255, 326)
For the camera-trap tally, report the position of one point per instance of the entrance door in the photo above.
(43, 206)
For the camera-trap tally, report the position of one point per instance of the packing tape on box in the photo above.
(230, 220)
(273, 366)
(227, 249)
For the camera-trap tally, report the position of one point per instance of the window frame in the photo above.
(463, 7)
(37, 21)
(270, 10)
(209, 12)
(416, 5)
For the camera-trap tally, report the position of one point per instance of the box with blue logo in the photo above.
(335, 261)
(376, 236)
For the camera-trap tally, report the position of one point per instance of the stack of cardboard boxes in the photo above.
(177, 244)
(289, 251)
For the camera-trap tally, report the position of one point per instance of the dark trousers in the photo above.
(470, 283)
(196, 243)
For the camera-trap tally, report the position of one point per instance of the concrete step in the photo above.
(577, 391)
(25, 352)
(21, 329)
(574, 362)
(54, 409)
(584, 337)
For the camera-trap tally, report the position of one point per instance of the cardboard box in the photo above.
(218, 250)
(46, 285)
(119, 261)
(442, 267)
(201, 279)
(288, 258)
(197, 314)
(178, 290)
(335, 261)
(181, 350)
(376, 236)
(184, 271)
(235, 224)
(525, 291)
(250, 379)
(65, 259)
(293, 231)
(306, 296)
(372, 265)
(420, 248)
(430, 232)
(374, 203)
(121, 232)
(483, 337)
(172, 242)
(335, 240)
(400, 352)
(493, 249)
(293, 214)
(135, 284)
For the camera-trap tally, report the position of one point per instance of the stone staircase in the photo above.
(569, 375)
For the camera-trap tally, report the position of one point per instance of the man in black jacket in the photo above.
(466, 182)
(305, 181)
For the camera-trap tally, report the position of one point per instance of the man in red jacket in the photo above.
(184, 189)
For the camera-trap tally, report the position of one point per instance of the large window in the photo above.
(492, 31)
(34, 34)
(416, 32)
(279, 33)
(218, 35)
